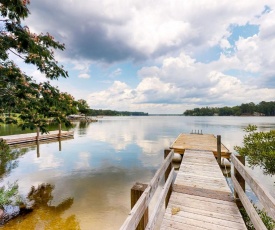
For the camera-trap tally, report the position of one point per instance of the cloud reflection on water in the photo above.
(99, 166)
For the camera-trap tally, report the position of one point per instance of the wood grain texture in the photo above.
(201, 196)
(206, 178)
(31, 137)
(253, 215)
(261, 192)
(203, 142)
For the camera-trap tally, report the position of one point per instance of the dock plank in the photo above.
(201, 196)
(32, 137)
(205, 142)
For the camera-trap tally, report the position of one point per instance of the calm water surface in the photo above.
(87, 183)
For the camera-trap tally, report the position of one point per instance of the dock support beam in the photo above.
(240, 179)
(219, 147)
(37, 133)
(168, 170)
(59, 130)
(136, 192)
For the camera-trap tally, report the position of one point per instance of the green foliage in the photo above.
(4, 147)
(259, 148)
(263, 108)
(205, 111)
(9, 195)
(83, 107)
(102, 112)
(268, 221)
(30, 47)
(19, 93)
(8, 162)
(8, 158)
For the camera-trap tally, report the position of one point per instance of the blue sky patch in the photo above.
(245, 31)
(207, 56)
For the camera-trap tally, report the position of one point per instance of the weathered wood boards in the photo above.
(263, 195)
(30, 137)
(207, 142)
(200, 175)
(194, 212)
(201, 198)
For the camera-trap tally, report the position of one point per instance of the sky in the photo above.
(161, 57)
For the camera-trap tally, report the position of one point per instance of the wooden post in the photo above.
(59, 130)
(166, 152)
(37, 133)
(136, 192)
(219, 147)
(37, 149)
(59, 144)
(240, 179)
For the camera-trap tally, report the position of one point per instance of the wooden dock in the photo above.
(201, 198)
(32, 137)
(198, 196)
(205, 142)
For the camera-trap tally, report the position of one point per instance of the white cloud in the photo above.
(182, 81)
(51, 162)
(83, 161)
(84, 75)
(147, 29)
(166, 39)
(224, 44)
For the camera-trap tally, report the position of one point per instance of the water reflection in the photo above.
(44, 214)
(103, 161)
(9, 160)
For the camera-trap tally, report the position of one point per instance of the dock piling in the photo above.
(37, 133)
(136, 192)
(59, 130)
(37, 149)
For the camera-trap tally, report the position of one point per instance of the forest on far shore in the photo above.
(102, 112)
(245, 109)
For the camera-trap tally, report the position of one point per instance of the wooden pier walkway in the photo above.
(201, 198)
(205, 142)
(197, 196)
(32, 137)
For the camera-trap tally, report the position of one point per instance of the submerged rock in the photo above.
(9, 212)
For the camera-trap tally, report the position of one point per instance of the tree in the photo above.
(48, 104)
(18, 91)
(259, 148)
(83, 107)
(30, 47)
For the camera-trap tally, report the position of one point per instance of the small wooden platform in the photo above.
(201, 198)
(207, 142)
(32, 137)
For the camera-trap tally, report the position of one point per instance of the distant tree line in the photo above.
(101, 112)
(248, 109)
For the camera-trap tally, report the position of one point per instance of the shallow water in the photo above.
(87, 184)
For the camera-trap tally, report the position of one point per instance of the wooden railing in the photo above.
(141, 206)
(241, 175)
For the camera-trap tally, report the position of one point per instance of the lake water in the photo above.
(87, 184)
